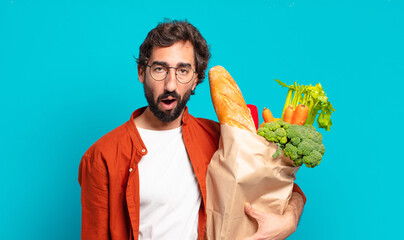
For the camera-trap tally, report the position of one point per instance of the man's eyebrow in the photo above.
(160, 63)
(181, 64)
(184, 65)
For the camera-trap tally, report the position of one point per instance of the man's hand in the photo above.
(276, 227)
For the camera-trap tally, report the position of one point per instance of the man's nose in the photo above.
(171, 80)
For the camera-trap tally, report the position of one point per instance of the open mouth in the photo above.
(168, 101)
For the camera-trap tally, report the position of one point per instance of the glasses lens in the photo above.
(184, 74)
(158, 72)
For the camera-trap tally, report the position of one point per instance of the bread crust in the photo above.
(228, 101)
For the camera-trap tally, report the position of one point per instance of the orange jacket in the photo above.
(109, 177)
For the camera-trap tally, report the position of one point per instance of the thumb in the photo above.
(257, 215)
(252, 212)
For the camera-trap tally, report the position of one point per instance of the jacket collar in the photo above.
(140, 148)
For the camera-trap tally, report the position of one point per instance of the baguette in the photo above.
(228, 101)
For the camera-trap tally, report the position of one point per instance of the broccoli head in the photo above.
(313, 159)
(321, 149)
(271, 136)
(280, 132)
(273, 132)
(283, 140)
(272, 126)
(260, 131)
(313, 134)
(307, 143)
(294, 131)
(295, 141)
(306, 146)
(303, 144)
(283, 124)
(291, 151)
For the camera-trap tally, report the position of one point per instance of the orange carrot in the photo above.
(300, 115)
(267, 115)
(287, 116)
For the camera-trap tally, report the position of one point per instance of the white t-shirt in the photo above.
(169, 193)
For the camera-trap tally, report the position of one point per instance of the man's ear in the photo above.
(195, 82)
(140, 73)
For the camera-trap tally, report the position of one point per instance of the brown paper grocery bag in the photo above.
(241, 170)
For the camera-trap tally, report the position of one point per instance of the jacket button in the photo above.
(143, 150)
(130, 169)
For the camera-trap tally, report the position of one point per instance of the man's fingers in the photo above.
(256, 236)
(253, 237)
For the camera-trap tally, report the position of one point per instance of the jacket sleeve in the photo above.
(93, 179)
(297, 189)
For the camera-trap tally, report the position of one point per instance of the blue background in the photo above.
(67, 77)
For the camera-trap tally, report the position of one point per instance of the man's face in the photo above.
(167, 98)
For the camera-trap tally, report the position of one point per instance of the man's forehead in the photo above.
(179, 52)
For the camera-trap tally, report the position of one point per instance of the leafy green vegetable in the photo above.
(314, 98)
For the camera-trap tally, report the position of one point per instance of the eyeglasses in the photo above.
(183, 74)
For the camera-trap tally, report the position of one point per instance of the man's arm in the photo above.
(277, 227)
(93, 179)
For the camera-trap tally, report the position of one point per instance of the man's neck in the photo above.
(147, 120)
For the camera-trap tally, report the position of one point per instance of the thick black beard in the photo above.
(166, 116)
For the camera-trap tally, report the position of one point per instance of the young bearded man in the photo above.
(146, 178)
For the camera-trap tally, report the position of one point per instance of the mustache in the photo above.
(168, 94)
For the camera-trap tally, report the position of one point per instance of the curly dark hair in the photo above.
(169, 32)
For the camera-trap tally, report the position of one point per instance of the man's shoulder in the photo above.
(208, 126)
(204, 122)
(111, 140)
(207, 122)
(116, 135)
